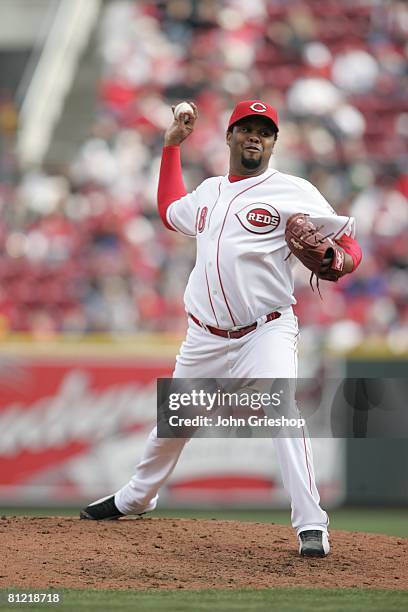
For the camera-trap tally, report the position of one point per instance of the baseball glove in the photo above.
(318, 252)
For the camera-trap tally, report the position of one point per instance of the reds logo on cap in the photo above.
(259, 218)
(339, 264)
(258, 107)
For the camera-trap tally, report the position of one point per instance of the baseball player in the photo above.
(239, 295)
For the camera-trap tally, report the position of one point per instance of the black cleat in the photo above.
(313, 543)
(102, 510)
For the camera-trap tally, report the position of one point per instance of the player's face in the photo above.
(251, 143)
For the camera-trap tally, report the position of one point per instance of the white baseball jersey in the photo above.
(242, 272)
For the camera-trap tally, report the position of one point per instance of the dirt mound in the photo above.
(162, 553)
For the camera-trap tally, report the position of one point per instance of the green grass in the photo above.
(392, 521)
(281, 599)
(378, 520)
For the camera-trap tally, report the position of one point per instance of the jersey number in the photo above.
(201, 219)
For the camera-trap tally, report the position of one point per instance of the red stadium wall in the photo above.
(73, 424)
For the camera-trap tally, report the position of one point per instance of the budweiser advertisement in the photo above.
(72, 428)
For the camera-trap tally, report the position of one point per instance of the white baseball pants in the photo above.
(268, 352)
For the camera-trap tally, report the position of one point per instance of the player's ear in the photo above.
(274, 140)
(228, 137)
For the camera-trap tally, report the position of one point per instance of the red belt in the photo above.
(235, 333)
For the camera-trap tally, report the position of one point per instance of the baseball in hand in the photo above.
(183, 107)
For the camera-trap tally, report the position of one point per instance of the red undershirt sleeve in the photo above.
(351, 247)
(171, 185)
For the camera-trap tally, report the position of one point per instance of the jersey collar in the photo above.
(238, 179)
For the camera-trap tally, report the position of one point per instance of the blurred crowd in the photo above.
(83, 247)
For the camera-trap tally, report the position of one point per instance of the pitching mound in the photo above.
(162, 553)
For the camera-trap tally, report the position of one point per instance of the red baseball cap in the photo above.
(246, 108)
